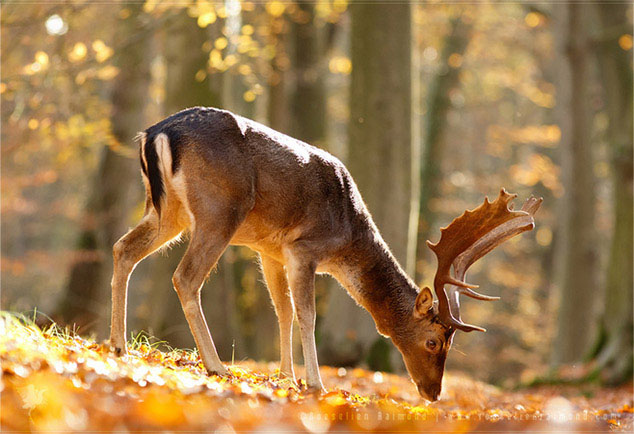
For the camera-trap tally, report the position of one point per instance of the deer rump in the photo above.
(203, 126)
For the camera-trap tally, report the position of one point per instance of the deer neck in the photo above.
(374, 278)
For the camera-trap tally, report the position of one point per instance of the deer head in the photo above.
(426, 339)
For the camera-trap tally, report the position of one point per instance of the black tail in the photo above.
(152, 171)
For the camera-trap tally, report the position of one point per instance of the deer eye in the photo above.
(431, 344)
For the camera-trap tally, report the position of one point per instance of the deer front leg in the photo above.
(301, 276)
(127, 252)
(278, 288)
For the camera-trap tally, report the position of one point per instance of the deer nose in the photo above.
(430, 393)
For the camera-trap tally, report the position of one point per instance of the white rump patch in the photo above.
(164, 153)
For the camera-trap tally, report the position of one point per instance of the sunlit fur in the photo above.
(227, 180)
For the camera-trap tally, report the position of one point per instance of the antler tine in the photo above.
(477, 295)
(467, 239)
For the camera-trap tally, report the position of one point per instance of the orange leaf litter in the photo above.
(54, 381)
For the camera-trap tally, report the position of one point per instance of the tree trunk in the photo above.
(277, 111)
(116, 188)
(187, 86)
(615, 348)
(309, 122)
(577, 269)
(254, 312)
(309, 99)
(435, 123)
(379, 157)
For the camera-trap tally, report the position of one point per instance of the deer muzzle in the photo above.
(430, 392)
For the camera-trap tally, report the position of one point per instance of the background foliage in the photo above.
(535, 98)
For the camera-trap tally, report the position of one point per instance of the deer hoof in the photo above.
(220, 372)
(118, 350)
(317, 389)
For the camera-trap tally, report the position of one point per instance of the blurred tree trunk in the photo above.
(309, 98)
(255, 315)
(435, 123)
(614, 352)
(116, 188)
(577, 255)
(309, 125)
(277, 111)
(379, 159)
(188, 85)
(279, 116)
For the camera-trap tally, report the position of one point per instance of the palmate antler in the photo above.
(468, 238)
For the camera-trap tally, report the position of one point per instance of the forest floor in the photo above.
(55, 381)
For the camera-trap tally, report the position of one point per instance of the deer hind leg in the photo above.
(138, 243)
(213, 226)
(301, 276)
(278, 288)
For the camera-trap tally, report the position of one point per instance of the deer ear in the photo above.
(424, 302)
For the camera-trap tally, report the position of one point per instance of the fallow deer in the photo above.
(229, 180)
